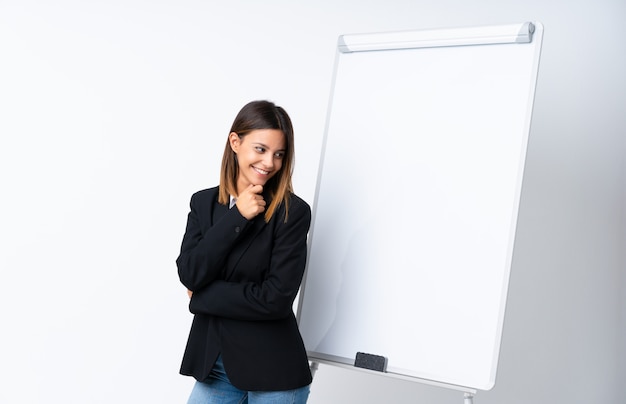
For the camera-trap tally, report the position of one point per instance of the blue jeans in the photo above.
(217, 389)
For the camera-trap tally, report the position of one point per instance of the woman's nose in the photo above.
(268, 160)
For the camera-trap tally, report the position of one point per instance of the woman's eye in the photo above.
(279, 155)
(260, 149)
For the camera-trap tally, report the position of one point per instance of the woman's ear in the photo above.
(234, 140)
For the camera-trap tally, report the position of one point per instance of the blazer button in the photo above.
(237, 229)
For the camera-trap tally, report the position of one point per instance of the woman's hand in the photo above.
(250, 202)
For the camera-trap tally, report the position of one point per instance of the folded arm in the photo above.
(202, 255)
(273, 297)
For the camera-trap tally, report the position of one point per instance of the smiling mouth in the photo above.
(262, 172)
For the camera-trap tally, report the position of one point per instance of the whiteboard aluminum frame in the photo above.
(499, 34)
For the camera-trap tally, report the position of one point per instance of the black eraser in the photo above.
(369, 361)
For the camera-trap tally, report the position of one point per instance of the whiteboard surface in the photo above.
(416, 206)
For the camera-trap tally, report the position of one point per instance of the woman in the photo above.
(242, 259)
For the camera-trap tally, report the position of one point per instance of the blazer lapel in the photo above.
(257, 225)
(218, 211)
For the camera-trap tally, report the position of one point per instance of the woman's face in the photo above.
(259, 155)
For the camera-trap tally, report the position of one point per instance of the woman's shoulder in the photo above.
(207, 192)
(297, 208)
(296, 201)
(205, 195)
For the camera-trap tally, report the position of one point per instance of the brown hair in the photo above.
(260, 115)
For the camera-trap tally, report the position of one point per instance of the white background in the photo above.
(113, 112)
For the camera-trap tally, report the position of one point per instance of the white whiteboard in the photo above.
(416, 205)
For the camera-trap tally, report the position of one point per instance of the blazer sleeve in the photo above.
(205, 245)
(273, 297)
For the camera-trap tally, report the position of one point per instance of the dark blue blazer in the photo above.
(245, 276)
